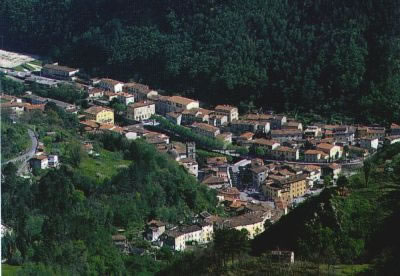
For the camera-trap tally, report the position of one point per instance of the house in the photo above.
(218, 120)
(333, 151)
(284, 135)
(231, 112)
(253, 222)
(394, 129)
(190, 116)
(63, 105)
(267, 144)
(369, 143)
(95, 93)
(374, 132)
(178, 237)
(121, 242)
(109, 96)
(53, 161)
(313, 174)
(276, 121)
(205, 129)
(178, 103)
(225, 137)
(285, 153)
(245, 137)
(344, 134)
(230, 193)
(59, 72)
(259, 174)
(140, 91)
(191, 165)
(100, 114)
(215, 182)
(286, 188)
(293, 125)
(175, 117)
(332, 170)
(154, 230)
(111, 85)
(140, 111)
(126, 98)
(240, 126)
(39, 162)
(389, 140)
(315, 156)
(313, 132)
(13, 107)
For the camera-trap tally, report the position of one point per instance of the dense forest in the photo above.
(316, 56)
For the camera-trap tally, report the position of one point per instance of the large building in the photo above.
(230, 111)
(140, 91)
(111, 85)
(284, 135)
(59, 72)
(140, 111)
(100, 114)
(286, 189)
(333, 151)
(285, 153)
(205, 129)
(178, 238)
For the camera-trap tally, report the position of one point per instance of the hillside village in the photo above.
(262, 164)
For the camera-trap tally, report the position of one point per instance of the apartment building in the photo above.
(140, 111)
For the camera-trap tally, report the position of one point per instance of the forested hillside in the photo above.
(359, 226)
(321, 56)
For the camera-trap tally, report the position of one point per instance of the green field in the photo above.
(7, 270)
(104, 166)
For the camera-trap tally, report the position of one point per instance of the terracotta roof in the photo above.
(140, 104)
(313, 152)
(217, 160)
(94, 110)
(110, 81)
(140, 87)
(174, 114)
(243, 220)
(265, 142)
(60, 68)
(286, 149)
(335, 166)
(286, 132)
(260, 169)
(40, 157)
(213, 180)
(247, 135)
(90, 123)
(156, 223)
(180, 100)
(225, 107)
(394, 126)
(325, 146)
(229, 191)
(206, 127)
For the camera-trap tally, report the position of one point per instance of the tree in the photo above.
(75, 154)
(327, 181)
(342, 181)
(367, 171)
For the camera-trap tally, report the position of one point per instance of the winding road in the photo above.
(24, 158)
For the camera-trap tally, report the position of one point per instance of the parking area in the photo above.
(12, 59)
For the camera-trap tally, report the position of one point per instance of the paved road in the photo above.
(24, 158)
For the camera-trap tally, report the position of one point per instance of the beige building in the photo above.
(230, 111)
(178, 238)
(100, 114)
(334, 152)
(286, 189)
(315, 156)
(205, 129)
(285, 153)
(253, 222)
(140, 111)
(140, 91)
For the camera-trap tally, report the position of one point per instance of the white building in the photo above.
(111, 85)
(369, 143)
(140, 111)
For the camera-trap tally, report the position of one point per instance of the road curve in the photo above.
(24, 158)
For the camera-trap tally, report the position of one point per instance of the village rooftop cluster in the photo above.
(284, 162)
